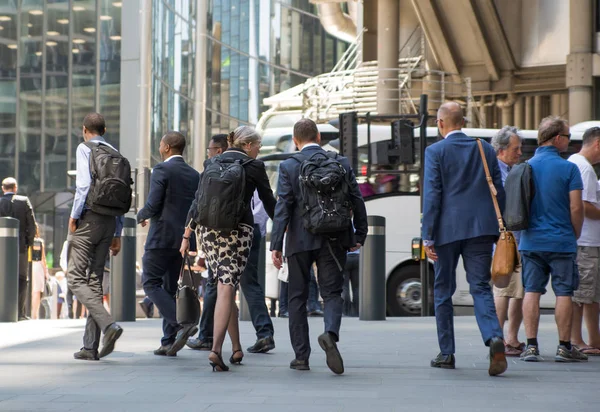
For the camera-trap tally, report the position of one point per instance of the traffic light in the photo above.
(349, 137)
(403, 139)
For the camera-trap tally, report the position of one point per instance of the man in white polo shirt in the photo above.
(587, 296)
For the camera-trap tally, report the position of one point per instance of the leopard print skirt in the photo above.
(226, 252)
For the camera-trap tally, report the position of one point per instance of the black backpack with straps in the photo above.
(221, 193)
(110, 191)
(324, 193)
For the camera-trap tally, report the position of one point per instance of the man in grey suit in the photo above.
(19, 207)
(303, 248)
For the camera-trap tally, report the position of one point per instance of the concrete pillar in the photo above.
(518, 111)
(529, 112)
(369, 52)
(200, 143)
(564, 104)
(506, 106)
(432, 87)
(579, 61)
(555, 105)
(537, 110)
(388, 47)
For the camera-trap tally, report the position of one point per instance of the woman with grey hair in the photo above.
(227, 251)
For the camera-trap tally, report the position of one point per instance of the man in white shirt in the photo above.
(587, 296)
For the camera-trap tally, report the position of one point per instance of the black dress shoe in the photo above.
(316, 313)
(334, 359)
(299, 365)
(443, 361)
(284, 315)
(111, 334)
(262, 345)
(198, 344)
(163, 351)
(147, 308)
(182, 337)
(498, 364)
(86, 354)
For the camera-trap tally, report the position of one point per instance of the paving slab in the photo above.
(387, 369)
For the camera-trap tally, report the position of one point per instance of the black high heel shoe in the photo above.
(220, 365)
(235, 361)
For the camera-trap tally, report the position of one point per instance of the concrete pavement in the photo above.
(387, 369)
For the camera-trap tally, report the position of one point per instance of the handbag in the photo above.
(188, 303)
(506, 255)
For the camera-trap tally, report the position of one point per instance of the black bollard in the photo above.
(372, 272)
(122, 276)
(9, 269)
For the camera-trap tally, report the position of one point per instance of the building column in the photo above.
(518, 111)
(529, 112)
(388, 48)
(506, 105)
(555, 105)
(369, 46)
(199, 143)
(537, 110)
(579, 61)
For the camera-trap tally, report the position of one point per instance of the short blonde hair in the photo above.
(243, 135)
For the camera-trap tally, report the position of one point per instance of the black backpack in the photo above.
(221, 192)
(110, 191)
(324, 193)
(519, 188)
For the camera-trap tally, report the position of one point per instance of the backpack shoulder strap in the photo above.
(299, 157)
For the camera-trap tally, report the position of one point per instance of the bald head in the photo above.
(9, 185)
(449, 118)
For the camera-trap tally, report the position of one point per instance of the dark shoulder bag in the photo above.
(188, 305)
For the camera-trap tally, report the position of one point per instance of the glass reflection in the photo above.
(84, 68)
(8, 89)
(56, 100)
(30, 95)
(110, 68)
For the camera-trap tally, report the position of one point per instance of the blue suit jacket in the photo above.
(457, 203)
(173, 185)
(288, 213)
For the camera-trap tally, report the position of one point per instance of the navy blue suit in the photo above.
(173, 185)
(304, 248)
(459, 217)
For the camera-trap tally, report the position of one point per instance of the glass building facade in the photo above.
(256, 48)
(59, 60)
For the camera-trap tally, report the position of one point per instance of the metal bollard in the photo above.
(244, 309)
(372, 272)
(9, 269)
(122, 276)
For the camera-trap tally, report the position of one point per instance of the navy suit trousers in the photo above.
(159, 277)
(477, 259)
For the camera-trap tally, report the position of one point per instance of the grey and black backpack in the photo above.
(324, 193)
(221, 190)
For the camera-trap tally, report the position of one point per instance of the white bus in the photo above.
(397, 198)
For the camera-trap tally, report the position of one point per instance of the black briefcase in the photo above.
(188, 305)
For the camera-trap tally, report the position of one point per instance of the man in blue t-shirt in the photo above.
(549, 245)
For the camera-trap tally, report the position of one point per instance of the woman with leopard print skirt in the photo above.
(227, 251)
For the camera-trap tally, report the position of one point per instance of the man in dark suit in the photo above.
(19, 207)
(173, 185)
(459, 221)
(303, 248)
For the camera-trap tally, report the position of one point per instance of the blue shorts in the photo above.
(537, 267)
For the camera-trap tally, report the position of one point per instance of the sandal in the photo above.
(236, 361)
(220, 365)
(589, 350)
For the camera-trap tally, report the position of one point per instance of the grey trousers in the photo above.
(87, 253)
